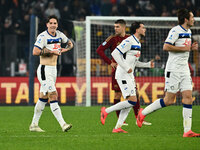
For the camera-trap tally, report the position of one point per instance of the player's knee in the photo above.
(132, 98)
(53, 95)
(168, 101)
(187, 100)
(43, 96)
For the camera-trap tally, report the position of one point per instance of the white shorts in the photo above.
(127, 87)
(47, 78)
(177, 81)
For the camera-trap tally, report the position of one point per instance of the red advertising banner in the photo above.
(15, 90)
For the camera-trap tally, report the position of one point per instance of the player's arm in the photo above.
(195, 46)
(101, 50)
(171, 39)
(118, 56)
(68, 47)
(39, 48)
(171, 48)
(37, 51)
(118, 53)
(149, 64)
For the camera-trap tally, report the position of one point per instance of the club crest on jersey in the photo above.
(104, 43)
(39, 41)
(123, 45)
(170, 37)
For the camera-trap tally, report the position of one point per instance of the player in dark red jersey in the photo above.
(111, 43)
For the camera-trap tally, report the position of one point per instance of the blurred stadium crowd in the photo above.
(15, 20)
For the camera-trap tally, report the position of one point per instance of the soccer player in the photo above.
(111, 43)
(48, 47)
(126, 55)
(177, 73)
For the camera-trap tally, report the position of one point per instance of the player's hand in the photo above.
(130, 70)
(157, 57)
(152, 64)
(56, 52)
(64, 50)
(195, 46)
(113, 65)
(187, 48)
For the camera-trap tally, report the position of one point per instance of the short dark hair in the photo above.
(182, 14)
(134, 26)
(120, 21)
(52, 17)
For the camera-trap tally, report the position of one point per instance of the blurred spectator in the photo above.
(106, 8)
(114, 11)
(25, 6)
(15, 17)
(143, 3)
(198, 12)
(66, 20)
(138, 10)
(38, 8)
(51, 10)
(175, 5)
(79, 9)
(123, 8)
(24, 37)
(149, 10)
(95, 6)
(4, 7)
(165, 13)
(9, 35)
(9, 22)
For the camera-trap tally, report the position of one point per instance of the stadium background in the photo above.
(14, 46)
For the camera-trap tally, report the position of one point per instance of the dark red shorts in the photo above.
(115, 85)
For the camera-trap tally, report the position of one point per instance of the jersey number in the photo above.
(56, 46)
(137, 55)
(187, 42)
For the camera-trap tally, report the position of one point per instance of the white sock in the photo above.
(159, 103)
(39, 107)
(121, 105)
(55, 109)
(122, 117)
(187, 117)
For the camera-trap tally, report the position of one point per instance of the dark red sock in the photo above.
(115, 102)
(136, 108)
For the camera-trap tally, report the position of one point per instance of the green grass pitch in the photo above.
(87, 132)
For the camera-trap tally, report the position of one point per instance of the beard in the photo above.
(190, 25)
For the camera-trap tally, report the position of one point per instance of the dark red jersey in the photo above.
(110, 43)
